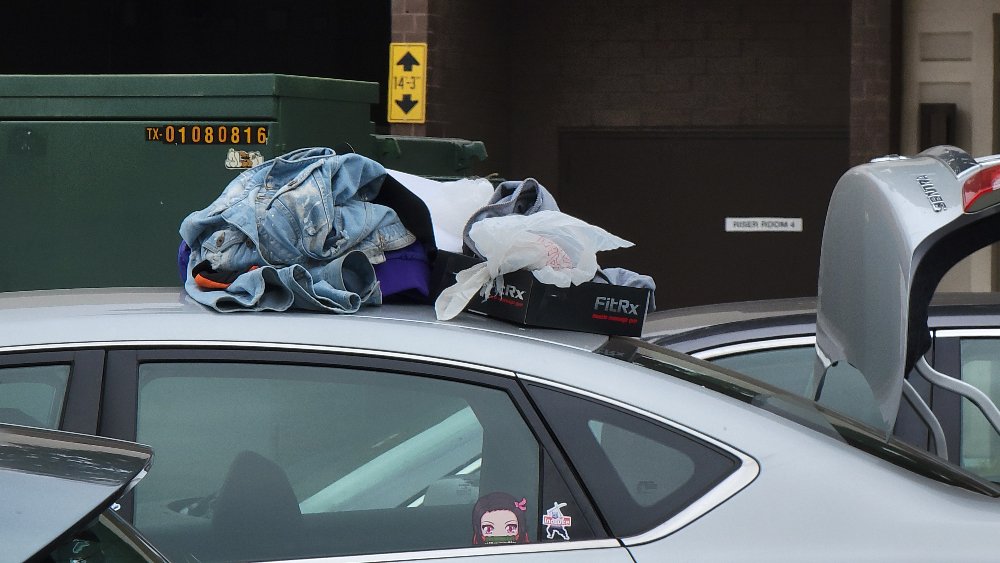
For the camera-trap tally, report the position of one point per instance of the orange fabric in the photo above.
(202, 281)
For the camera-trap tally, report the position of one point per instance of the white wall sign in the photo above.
(763, 224)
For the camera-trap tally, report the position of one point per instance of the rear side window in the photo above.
(269, 460)
(786, 368)
(639, 472)
(791, 369)
(979, 448)
(33, 395)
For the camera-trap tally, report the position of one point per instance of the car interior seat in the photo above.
(456, 489)
(256, 513)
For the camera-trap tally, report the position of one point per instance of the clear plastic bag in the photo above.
(557, 248)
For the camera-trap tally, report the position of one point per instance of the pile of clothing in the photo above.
(317, 230)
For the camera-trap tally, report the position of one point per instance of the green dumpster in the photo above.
(97, 172)
(434, 157)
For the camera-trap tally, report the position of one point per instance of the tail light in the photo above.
(982, 190)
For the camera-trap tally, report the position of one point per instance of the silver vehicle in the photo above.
(374, 436)
(921, 215)
(774, 341)
(58, 492)
(387, 435)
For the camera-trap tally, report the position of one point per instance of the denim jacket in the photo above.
(288, 226)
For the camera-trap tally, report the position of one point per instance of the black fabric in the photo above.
(204, 270)
(412, 210)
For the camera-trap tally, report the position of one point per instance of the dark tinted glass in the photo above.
(787, 368)
(791, 369)
(639, 472)
(33, 395)
(257, 461)
(979, 449)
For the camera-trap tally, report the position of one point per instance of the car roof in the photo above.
(724, 323)
(669, 322)
(54, 481)
(106, 316)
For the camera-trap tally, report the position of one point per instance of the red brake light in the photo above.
(980, 191)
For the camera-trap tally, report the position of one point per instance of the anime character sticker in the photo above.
(498, 518)
(556, 522)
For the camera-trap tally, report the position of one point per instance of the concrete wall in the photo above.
(949, 57)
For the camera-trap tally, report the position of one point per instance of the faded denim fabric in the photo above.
(302, 212)
(342, 285)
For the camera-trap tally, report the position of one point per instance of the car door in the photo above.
(278, 454)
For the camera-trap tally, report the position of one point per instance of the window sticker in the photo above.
(556, 522)
(237, 160)
(498, 518)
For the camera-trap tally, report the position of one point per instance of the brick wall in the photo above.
(409, 25)
(874, 79)
(514, 72)
(470, 96)
(672, 63)
(468, 70)
(520, 74)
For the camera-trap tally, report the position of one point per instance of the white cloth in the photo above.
(451, 204)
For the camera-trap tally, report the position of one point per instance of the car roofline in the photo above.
(139, 300)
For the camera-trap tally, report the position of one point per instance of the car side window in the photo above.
(979, 449)
(786, 368)
(269, 460)
(640, 473)
(791, 369)
(33, 395)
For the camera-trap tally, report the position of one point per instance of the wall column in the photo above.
(410, 25)
(874, 88)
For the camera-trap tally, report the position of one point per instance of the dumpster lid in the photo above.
(185, 85)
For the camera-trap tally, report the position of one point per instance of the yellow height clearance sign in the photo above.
(407, 82)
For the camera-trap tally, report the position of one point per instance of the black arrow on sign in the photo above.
(406, 104)
(408, 61)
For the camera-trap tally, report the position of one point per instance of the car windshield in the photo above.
(797, 409)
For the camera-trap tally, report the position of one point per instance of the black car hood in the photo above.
(54, 481)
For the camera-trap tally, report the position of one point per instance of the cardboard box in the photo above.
(588, 307)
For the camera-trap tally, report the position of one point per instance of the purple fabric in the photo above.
(405, 273)
(183, 254)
